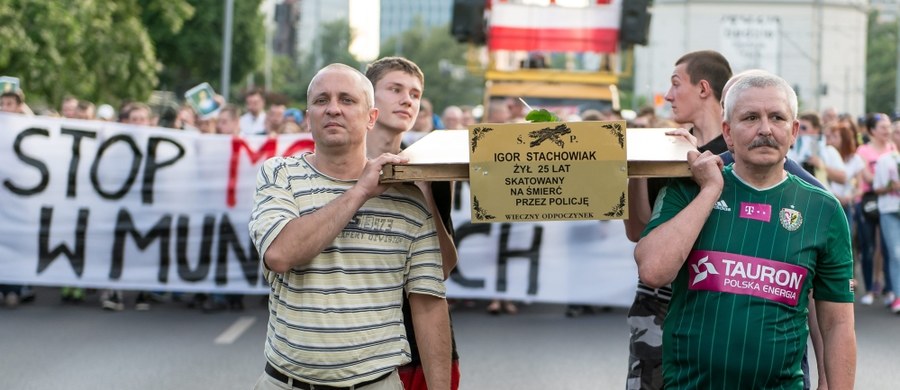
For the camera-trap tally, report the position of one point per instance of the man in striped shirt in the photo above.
(340, 250)
(742, 248)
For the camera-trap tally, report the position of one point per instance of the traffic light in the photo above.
(635, 24)
(467, 24)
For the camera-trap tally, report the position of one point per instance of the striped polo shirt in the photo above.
(338, 321)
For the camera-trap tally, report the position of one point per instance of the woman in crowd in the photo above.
(186, 118)
(886, 184)
(878, 128)
(843, 138)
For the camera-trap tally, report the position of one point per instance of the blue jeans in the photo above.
(848, 211)
(865, 236)
(890, 234)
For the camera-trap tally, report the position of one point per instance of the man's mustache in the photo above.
(763, 141)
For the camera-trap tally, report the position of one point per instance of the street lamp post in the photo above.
(226, 48)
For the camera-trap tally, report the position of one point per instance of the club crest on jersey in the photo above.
(790, 219)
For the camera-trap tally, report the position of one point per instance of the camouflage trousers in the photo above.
(645, 318)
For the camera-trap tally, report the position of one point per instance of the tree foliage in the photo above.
(194, 54)
(110, 50)
(97, 50)
(287, 79)
(332, 45)
(443, 60)
(881, 65)
(163, 18)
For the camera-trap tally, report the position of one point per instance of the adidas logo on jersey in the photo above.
(721, 206)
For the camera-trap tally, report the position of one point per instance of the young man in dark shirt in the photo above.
(399, 84)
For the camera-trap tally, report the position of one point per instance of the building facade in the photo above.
(818, 46)
(314, 14)
(398, 16)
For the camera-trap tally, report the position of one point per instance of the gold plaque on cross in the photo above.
(551, 171)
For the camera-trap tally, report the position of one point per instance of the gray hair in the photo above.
(758, 79)
(366, 84)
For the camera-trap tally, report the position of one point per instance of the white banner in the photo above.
(96, 204)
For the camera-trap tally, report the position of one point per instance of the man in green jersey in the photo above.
(742, 247)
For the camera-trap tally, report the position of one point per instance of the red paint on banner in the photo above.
(266, 150)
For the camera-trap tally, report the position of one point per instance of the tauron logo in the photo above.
(709, 269)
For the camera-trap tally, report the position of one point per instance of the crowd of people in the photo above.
(255, 118)
(758, 161)
(856, 159)
(263, 113)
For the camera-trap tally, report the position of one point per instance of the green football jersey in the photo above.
(737, 319)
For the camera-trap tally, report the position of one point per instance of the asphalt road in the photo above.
(48, 345)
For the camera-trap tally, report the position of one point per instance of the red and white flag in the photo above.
(554, 28)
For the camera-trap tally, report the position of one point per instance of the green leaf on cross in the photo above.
(541, 115)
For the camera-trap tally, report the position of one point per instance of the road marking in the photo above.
(235, 330)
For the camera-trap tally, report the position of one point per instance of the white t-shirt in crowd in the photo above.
(886, 171)
(251, 126)
(806, 146)
(852, 167)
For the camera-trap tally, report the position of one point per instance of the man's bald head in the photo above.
(363, 82)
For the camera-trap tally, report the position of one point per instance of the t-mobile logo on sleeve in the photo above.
(745, 275)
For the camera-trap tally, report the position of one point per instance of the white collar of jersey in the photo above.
(783, 178)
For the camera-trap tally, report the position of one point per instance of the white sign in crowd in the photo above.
(108, 205)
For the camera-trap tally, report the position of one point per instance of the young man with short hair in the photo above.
(695, 93)
(399, 84)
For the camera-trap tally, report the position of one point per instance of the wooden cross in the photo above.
(443, 155)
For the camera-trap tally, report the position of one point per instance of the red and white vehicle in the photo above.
(555, 54)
